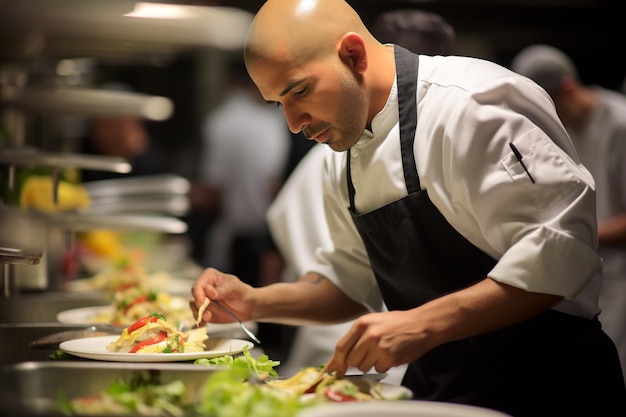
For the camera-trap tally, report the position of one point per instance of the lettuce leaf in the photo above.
(226, 394)
(261, 367)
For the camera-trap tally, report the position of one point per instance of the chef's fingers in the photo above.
(332, 366)
(343, 349)
(205, 286)
(366, 363)
(364, 354)
(373, 359)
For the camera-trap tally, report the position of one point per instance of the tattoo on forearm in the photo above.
(313, 278)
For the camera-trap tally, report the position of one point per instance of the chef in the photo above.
(454, 180)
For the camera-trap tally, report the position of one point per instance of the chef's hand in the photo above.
(231, 292)
(380, 341)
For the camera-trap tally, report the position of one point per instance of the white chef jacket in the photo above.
(543, 234)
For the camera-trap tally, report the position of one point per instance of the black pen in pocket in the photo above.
(519, 157)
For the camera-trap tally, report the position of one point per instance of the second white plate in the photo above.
(85, 315)
(95, 348)
(399, 409)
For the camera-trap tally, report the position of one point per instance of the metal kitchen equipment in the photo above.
(247, 331)
(36, 387)
(50, 49)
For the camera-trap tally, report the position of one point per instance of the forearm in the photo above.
(483, 307)
(612, 231)
(310, 300)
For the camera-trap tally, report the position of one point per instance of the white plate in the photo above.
(173, 286)
(409, 408)
(95, 348)
(88, 315)
(85, 315)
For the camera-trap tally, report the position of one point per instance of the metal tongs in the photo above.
(249, 332)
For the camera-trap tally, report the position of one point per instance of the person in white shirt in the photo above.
(246, 144)
(595, 119)
(454, 180)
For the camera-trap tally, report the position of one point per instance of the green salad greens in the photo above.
(143, 396)
(226, 394)
(232, 392)
(262, 367)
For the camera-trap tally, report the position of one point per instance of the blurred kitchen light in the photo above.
(68, 67)
(159, 11)
(115, 29)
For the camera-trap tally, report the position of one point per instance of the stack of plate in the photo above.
(399, 409)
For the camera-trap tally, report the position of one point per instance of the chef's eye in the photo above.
(302, 92)
(277, 104)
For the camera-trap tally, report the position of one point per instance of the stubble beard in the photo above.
(351, 115)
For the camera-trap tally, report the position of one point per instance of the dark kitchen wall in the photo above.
(593, 33)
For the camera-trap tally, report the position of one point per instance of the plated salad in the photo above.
(133, 303)
(248, 387)
(153, 334)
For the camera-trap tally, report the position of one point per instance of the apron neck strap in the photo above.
(406, 71)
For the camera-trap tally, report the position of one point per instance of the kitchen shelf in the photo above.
(116, 30)
(27, 156)
(85, 221)
(87, 102)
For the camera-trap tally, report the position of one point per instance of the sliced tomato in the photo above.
(140, 323)
(139, 299)
(337, 396)
(149, 342)
(126, 286)
(143, 321)
(311, 389)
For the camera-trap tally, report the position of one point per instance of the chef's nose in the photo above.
(296, 119)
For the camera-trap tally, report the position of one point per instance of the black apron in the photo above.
(416, 256)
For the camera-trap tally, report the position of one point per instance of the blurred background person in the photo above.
(296, 217)
(246, 145)
(416, 30)
(125, 137)
(595, 119)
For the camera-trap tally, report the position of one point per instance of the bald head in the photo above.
(313, 58)
(300, 30)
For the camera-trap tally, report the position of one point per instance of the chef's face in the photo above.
(323, 99)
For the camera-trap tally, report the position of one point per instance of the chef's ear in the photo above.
(352, 52)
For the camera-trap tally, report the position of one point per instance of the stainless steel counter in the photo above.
(16, 338)
(31, 378)
(26, 317)
(44, 307)
(35, 388)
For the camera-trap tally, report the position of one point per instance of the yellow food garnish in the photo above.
(37, 194)
(103, 242)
